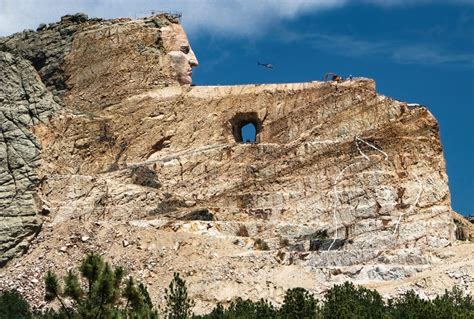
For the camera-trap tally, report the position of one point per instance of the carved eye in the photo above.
(185, 49)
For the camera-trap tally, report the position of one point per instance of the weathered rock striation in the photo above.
(342, 183)
(33, 86)
(24, 102)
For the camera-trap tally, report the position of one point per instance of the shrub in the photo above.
(242, 232)
(101, 291)
(347, 301)
(260, 244)
(13, 305)
(410, 305)
(299, 303)
(217, 313)
(243, 309)
(453, 304)
(284, 242)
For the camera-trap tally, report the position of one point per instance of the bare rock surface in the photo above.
(24, 102)
(47, 48)
(136, 164)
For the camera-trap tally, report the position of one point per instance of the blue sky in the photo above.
(417, 51)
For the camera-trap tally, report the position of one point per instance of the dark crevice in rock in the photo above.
(326, 244)
(144, 176)
(106, 135)
(199, 214)
(163, 142)
(114, 166)
(168, 205)
(39, 61)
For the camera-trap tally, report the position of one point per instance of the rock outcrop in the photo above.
(341, 184)
(24, 102)
(38, 69)
(464, 227)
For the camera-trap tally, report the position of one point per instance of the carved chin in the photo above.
(185, 79)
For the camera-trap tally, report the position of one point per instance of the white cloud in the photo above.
(228, 17)
(400, 51)
(232, 17)
(430, 55)
(392, 3)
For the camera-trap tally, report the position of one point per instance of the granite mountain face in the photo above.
(106, 147)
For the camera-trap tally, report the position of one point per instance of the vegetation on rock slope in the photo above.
(103, 291)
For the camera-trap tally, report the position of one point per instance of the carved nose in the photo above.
(193, 62)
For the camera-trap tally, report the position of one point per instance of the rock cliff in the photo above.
(106, 147)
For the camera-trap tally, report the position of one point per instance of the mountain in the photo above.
(106, 146)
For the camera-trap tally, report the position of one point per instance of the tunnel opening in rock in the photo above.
(246, 127)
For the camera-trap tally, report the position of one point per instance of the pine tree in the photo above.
(13, 305)
(299, 303)
(217, 313)
(410, 305)
(347, 301)
(453, 304)
(104, 296)
(53, 291)
(178, 304)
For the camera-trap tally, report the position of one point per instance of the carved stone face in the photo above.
(178, 49)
